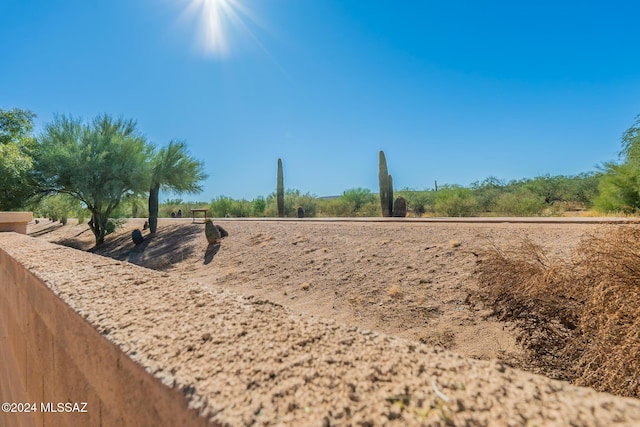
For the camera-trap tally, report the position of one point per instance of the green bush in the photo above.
(358, 197)
(487, 193)
(292, 200)
(60, 206)
(240, 208)
(619, 190)
(419, 202)
(258, 206)
(455, 201)
(336, 208)
(114, 224)
(519, 203)
(371, 209)
(221, 206)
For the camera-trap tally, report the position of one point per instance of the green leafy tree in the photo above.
(619, 189)
(620, 185)
(583, 188)
(549, 188)
(631, 143)
(98, 163)
(16, 143)
(173, 169)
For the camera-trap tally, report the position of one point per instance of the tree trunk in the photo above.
(153, 208)
(98, 226)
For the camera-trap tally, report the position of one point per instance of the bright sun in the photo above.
(214, 19)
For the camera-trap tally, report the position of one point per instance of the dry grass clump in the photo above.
(394, 291)
(524, 286)
(580, 318)
(610, 321)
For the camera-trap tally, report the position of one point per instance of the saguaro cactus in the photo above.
(280, 190)
(390, 196)
(386, 186)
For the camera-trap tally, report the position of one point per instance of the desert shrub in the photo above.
(114, 224)
(419, 202)
(175, 205)
(610, 321)
(487, 192)
(337, 208)
(133, 206)
(240, 208)
(583, 188)
(522, 285)
(306, 201)
(293, 199)
(371, 209)
(358, 197)
(341, 207)
(578, 318)
(620, 186)
(518, 203)
(619, 190)
(221, 206)
(60, 206)
(168, 206)
(455, 201)
(258, 206)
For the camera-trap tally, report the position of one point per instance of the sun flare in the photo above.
(215, 19)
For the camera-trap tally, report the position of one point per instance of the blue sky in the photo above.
(453, 91)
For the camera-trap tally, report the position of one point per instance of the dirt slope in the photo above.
(247, 361)
(407, 280)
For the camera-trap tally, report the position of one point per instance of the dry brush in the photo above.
(578, 318)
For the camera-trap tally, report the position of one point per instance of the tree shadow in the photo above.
(75, 242)
(211, 251)
(169, 245)
(48, 229)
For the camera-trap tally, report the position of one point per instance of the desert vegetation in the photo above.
(113, 171)
(577, 316)
(99, 164)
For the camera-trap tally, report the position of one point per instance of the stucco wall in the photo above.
(49, 354)
(15, 221)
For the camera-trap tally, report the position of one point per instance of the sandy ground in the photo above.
(247, 361)
(410, 280)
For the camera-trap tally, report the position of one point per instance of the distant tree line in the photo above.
(540, 196)
(105, 169)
